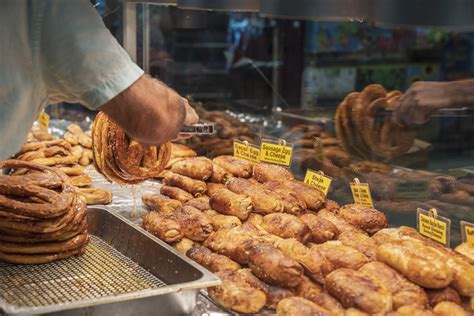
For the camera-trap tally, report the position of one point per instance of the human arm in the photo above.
(424, 98)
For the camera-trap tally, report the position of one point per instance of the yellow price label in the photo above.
(246, 151)
(43, 119)
(469, 233)
(433, 228)
(361, 194)
(318, 180)
(276, 153)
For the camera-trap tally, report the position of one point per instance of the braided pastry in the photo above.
(361, 131)
(124, 160)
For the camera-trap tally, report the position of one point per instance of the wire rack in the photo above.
(101, 271)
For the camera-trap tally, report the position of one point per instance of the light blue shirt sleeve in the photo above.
(80, 59)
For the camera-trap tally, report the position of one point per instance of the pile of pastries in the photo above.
(364, 128)
(227, 127)
(42, 218)
(65, 155)
(277, 243)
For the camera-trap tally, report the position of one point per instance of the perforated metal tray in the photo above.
(124, 267)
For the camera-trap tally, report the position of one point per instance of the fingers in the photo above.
(191, 115)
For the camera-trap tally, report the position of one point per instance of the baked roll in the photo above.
(403, 291)
(230, 203)
(160, 203)
(195, 224)
(176, 193)
(316, 294)
(354, 289)
(163, 227)
(340, 255)
(264, 172)
(312, 197)
(212, 261)
(201, 203)
(272, 266)
(321, 229)
(184, 245)
(198, 168)
(447, 294)
(418, 263)
(193, 186)
(235, 166)
(263, 201)
(291, 203)
(286, 226)
(236, 294)
(220, 221)
(219, 174)
(363, 217)
(302, 307)
(361, 241)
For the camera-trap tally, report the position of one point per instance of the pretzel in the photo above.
(82, 138)
(82, 180)
(40, 248)
(42, 258)
(94, 196)
(124, 160)
(53, 203)
(43, 144)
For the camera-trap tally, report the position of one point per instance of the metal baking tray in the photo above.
(125, 271)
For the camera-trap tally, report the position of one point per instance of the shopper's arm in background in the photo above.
(424, 98)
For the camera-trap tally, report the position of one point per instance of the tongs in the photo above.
(198, 129)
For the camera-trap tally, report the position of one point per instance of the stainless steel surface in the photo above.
(453, 13)
(123, 265)
(332, 10)
(221, 5)
(198, 129)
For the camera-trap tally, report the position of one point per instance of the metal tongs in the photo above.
(198, 129)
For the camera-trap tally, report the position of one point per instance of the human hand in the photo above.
(190, 119)
(422, 99)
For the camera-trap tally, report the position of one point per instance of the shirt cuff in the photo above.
(109, 89)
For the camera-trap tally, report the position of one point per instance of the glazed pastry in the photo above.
(312, 197)
(210, 260)
(316, 294)
(403, 291)
(94, 196)
(449, 309)
(321, 230)
(338, 221)
(341, 256)
(418, 263)
(363, 217)
(262, 200)
(213, 187)
(264, 172)
(291, 203)
(361, 241)
(466, 250)
(220, 221)
(198, 168)
(161, 203)
(354, 289)
(446, 294)
(163, 227)
(236, 294)
(235, 166)
(272, 266)
(219, 174)
(195, 224)
(195, 187)
(201, 203)
(176, 193)
(184, 245)
(286, 226)
(302, 307)
(229, 203)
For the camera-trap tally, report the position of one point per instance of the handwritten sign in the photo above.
(467, 230)
(43, 119)
(433, 226)
(246, 151)
(318, 180)
(361, 193)
(279, 153)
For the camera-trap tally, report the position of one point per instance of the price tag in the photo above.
(433, 226)
(246, 151)
(467, 231)
(412, 190)
(43, 119)
(318, 180)
(361, 193)
(278, 152)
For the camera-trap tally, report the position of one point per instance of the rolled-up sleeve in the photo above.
(81, 61)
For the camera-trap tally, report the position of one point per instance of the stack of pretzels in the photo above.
(123, 160)
(42, 219)
(365, 131)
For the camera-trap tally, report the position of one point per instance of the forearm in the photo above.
(148, 111)
(462, 93)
